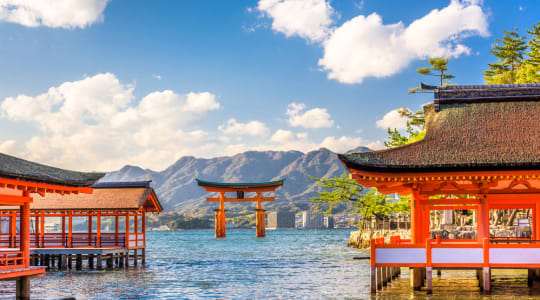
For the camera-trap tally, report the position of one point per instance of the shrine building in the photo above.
(481, 152)
(20, 181)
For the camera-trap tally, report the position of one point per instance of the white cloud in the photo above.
(309, 19)
(288, 140)
(253, 128)
(158, 77)
(313, 118)
(392, 120)
(94, 124)
(341, 144)
(377, 145)
(53, 13)
(366, 47)
(8, 146)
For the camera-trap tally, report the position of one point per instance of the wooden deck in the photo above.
(13, 274)
(85, 258)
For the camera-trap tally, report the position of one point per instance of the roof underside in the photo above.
(249, 185)
(19, 169)
(476, 128)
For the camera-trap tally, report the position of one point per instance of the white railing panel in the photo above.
(514, 256)
(400, 255)
(140, 243)
(141, 236)
(132, 243)
(457, 255)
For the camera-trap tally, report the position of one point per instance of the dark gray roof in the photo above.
(15, 168)
(486, 93)
(500, 131)
(121, 184)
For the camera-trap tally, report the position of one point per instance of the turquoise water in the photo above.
(287, 264)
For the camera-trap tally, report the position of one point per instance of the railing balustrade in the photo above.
(505, 253)
(11, 260)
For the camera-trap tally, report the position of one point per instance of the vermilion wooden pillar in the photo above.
(483, 219)
(220, 223)
(98, 234)
(70, 228)
(416, 218)
(416, 235)
(25, 232)
(260, 222)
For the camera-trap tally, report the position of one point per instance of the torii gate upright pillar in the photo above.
(260, 218)
(220, 218)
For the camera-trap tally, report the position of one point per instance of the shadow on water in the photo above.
(506, 284)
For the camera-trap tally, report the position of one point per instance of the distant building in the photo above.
(312, 220)
(329, 222)
(280, 219)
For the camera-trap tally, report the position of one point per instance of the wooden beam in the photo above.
(46, 188)
(453, 207)
(14, 200)
(450, 201)
(234, 190)
(226, 199)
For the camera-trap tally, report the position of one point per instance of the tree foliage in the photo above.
(518, 59)
(342, 189)
(438, 68)
(415, 129)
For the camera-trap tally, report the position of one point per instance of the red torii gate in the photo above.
(240, 189)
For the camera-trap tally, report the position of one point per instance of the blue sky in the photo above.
(100, 84)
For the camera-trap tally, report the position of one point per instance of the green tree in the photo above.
(534, 46)
(415, 129)
(437, 69)
(510, 51)
(344, 189)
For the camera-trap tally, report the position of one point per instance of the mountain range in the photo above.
(178, 191)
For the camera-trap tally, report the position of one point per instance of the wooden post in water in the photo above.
(78, 262)
(384, 276)
(99, 262)
(143, 256)
(379, 278)
(220, 223)
(530, 277)
(90, 261)
(416, 278)
(429, 277)
(373, 277)
(23, 287)
(135, 257)
(260, 223)
(121, 261)
(486, 278)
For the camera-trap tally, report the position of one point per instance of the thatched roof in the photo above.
(19, 169)
(473, 128)
(106, 196)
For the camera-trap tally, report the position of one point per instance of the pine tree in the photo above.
(510, 51)
(438, 64)
(534, 46)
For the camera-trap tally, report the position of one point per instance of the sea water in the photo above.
(287, 264)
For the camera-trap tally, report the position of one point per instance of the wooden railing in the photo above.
(11, 260)
(59, 240)
(439, 253)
